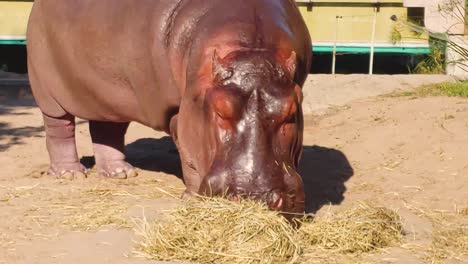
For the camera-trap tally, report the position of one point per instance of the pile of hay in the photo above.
(215, 230)
(360, 229)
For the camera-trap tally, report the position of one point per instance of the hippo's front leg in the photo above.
(108, 144)
(192, 179)
(60, 140)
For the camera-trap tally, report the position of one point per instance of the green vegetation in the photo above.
(458, 89)
(434, 63)
(452, 89)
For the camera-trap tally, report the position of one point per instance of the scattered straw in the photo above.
(360, 229)
(449, 234)
(214, 230)
(93, 215)
(464, 211)
(449, 242)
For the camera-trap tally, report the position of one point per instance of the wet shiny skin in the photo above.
(254, 109)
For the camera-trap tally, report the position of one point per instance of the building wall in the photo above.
(442, 16)
(456, 64)
(448, 16)
(14, 17)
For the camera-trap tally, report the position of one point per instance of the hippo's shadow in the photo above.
(158, 155)
(152, 154)
(324, 172)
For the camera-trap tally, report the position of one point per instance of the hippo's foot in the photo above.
(117, 169)
(68, 171)
(108, 144)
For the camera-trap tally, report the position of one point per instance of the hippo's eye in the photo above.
(223, 108)
(291, 114)
(291, 119)
(225, 102)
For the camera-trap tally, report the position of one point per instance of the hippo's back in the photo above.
(98, 60)
(125, 60)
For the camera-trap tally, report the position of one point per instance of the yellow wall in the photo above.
(14, 18)
(356, 23)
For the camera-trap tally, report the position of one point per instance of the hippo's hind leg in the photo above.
(60, 140)
(108, 143)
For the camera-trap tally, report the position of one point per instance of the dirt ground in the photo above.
(406, 153)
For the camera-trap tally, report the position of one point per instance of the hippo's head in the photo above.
(239, 130)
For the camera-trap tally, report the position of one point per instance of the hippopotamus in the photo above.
(223, 78)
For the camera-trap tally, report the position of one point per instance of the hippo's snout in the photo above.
(279, 193)
(273, 199)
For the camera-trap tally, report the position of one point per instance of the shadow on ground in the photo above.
(158, 155)
(11, 136)
(152, 154)
(12, 109)
(14, 136)
(324, 170)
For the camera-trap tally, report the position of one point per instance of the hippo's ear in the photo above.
(291, 64)
(220, 71)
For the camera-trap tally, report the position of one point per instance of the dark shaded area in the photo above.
(15, 136)
(359, 63)
(416, 15)
(88, 161)
(153, 154)
(13, 58)
(12, 136)
(324, 172)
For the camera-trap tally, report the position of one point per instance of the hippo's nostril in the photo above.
(235, 198)
(278, 205)
(275, 200)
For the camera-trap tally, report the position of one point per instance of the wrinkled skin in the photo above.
(222, 77)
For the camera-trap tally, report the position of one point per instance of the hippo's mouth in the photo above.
(282, 193)
(286, 203)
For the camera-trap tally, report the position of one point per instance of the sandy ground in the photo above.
(405, 153)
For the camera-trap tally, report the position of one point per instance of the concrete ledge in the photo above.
(14, 87)
(14, 82)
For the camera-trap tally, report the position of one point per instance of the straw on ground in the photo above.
(215, 230)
